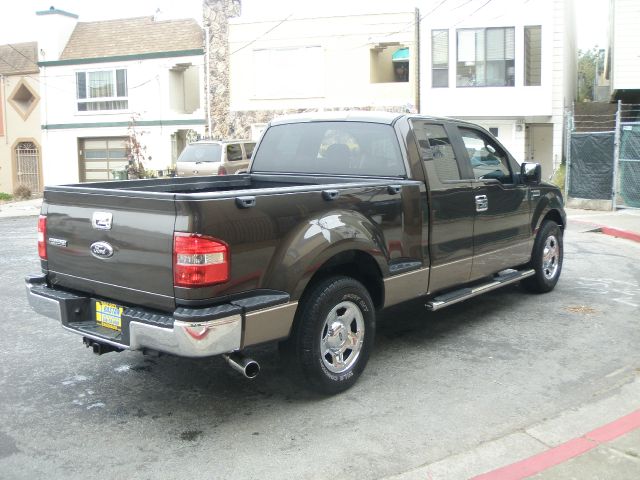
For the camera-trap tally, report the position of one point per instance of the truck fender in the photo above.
(309, 246)
(548, 205)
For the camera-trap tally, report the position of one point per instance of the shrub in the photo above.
(22, 192)
(4, 197)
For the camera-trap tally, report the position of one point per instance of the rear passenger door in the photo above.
(451, 205)
(502, 236)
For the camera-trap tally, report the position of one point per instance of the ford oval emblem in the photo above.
(101, 250)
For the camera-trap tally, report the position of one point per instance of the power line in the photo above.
(261, 36)
(22, 54)
(473, 13)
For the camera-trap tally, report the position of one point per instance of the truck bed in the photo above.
(259, 217)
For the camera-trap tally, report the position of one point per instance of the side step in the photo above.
(504, 278)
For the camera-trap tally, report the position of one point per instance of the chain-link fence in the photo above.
(628, 175)
(603, 158)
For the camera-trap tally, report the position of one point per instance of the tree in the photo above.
(136, 150)
(590, 66)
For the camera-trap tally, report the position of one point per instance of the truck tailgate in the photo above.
(131, 259)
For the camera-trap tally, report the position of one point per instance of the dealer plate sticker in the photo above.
(109, 315)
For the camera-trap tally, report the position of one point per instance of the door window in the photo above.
(435, 146)
(248, 149)
(488, 160)
(234, 152)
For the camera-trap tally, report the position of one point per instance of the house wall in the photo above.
(311, 64)
(625, 38)
(509, 108)
(15, 127)
(152, 103)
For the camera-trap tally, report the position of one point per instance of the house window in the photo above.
(184, 88)
(532, 55)
(389, 63)
(102, 90)
(24, 99)
(486, 57)
(439, 58)
(494, 131)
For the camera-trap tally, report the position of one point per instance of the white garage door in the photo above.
(102, 158)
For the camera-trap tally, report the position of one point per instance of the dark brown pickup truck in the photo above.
(340, 215)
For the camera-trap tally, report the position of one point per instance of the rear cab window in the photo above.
(332, 147)
(434, 146)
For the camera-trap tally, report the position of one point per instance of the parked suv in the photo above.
(211, 157)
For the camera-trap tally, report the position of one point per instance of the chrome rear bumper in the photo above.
(197, 338)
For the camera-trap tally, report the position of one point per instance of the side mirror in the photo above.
(531, 172)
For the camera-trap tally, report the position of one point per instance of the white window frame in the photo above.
(114, 98)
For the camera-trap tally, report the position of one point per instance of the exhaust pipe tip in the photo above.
(245, 365)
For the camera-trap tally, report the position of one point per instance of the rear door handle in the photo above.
(482, 203)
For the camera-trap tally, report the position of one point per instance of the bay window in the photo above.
(485, 57)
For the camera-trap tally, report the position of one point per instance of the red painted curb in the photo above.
(614, 232)
(635, 237)
(560, 454)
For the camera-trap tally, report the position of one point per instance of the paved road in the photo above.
(437, 384)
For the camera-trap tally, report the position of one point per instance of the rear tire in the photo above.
(546, 258)
(333, 334)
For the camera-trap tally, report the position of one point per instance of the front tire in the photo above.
(546, 258)
(333, 334)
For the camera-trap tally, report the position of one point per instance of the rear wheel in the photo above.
(333, 334)
(546, 258)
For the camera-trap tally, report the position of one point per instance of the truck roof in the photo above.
(339, 116)
(387, 118)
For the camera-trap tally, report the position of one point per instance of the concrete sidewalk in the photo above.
(624, 223)
(23, 208)
(596, 441)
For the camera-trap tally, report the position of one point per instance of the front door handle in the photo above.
(482, 203)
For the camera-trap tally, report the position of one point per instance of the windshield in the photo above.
(201, 152)
(345, 148)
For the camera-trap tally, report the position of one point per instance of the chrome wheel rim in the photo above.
(550, 257)
(342, 337)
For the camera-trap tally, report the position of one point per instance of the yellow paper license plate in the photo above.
(109, 315)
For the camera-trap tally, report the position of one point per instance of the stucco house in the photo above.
(507, 65)
(329, 61)
(103, 83)
(20, 145)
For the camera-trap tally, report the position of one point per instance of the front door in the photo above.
(502, 231)
(540, 147)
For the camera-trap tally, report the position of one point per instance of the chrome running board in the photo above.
(504, 278)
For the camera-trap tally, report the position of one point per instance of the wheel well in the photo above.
(358, 265)
(555, 216)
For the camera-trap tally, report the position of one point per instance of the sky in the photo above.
(16, 22)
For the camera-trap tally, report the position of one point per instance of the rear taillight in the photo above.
(222, 170)
(42, 237)
(199, 260)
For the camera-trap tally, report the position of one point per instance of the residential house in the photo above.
(327, 62)
(624, 57)
(20, 145)
(112, 86)
(507, 65)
